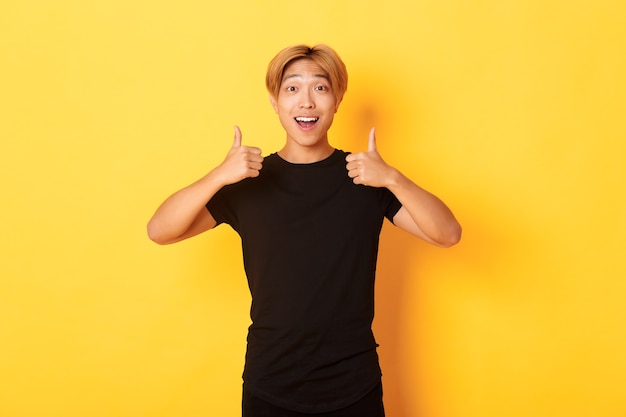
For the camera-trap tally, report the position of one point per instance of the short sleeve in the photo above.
(393, 205)
(220, 207)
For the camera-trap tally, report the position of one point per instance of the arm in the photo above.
(184, 214)
(422, 213)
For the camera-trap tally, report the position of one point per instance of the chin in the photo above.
(310, 142)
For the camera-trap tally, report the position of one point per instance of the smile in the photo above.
(306, 122)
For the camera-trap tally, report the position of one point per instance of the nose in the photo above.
(306, 100)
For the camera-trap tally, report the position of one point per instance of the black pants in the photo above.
(369, 406)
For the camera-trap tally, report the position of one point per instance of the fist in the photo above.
(241, 161)
(368, 168)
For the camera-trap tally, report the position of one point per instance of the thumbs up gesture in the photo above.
(368, 168)
(241, 162)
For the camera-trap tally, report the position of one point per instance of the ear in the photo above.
(337, 104)
(274, 103)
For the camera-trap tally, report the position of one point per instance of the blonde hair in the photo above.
(322, 55)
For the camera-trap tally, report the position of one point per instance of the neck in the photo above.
(305, 154)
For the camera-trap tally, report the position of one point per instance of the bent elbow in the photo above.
(452, 236)
(155, 235)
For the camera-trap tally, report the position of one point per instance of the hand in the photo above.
(241, 162)
(368, 168)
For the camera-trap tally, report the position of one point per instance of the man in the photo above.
(309, 217)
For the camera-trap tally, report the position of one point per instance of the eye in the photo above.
(321, 88)
(290, 89)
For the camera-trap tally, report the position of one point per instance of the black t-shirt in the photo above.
(310, 242)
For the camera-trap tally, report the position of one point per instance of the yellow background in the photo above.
(511, 111)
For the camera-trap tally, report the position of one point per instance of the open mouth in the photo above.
(306, 122)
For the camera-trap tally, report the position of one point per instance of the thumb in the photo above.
(237, 141)
(371, 147)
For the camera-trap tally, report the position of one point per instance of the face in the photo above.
(306, 105)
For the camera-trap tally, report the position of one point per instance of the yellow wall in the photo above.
(511, 111)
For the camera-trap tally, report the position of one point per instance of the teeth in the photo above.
(307, 119)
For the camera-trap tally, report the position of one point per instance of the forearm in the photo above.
(433, 219)
(183, 214)
(177, 214)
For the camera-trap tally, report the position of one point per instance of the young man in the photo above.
(309, 217)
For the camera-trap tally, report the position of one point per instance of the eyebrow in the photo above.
(296, 75)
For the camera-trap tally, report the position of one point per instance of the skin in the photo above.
(422, 214)
(305, 92)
